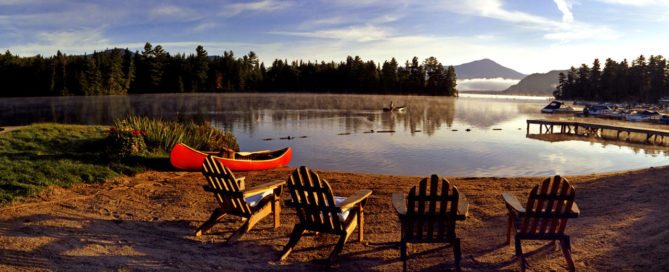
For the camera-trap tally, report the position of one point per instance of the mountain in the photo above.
(536, 84)
(485, 68)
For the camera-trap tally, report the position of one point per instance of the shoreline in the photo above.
(146, 222)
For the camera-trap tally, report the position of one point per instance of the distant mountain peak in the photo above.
(486, 68)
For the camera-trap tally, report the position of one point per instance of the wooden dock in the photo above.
(648, 136)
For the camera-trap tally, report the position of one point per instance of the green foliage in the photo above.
(163, 135)
(37, 156)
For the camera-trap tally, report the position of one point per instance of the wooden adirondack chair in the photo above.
(253, 204)
(320, 211)
(429, 214)
(544, 218)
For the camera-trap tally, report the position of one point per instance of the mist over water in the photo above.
(430, 137)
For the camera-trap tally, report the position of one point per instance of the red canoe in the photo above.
(186, 158)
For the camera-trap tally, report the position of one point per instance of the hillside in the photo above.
(485, 68)
(536, 84)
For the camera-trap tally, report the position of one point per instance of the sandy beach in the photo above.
(146, 222)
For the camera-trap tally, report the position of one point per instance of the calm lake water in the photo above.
(430, 137)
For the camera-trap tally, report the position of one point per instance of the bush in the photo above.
(163, 135)
(123, 142)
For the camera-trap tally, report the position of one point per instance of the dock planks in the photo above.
(650, 136)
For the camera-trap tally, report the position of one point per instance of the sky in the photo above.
(526, 35)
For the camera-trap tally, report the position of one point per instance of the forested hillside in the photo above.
(642, 81)
(120, 71)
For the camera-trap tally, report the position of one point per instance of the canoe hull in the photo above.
(184, 157)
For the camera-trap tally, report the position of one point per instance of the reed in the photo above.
(164, 134)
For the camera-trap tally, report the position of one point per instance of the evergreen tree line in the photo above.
(642, 81)
(153, 70)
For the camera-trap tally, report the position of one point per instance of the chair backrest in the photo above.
(548, 208)
(432, 208)
(228, 191)
(313, 201)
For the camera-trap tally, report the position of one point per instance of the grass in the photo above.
(37, 156)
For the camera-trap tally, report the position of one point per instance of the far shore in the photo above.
(146, 222)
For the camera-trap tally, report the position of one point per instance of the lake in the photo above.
(473, 135)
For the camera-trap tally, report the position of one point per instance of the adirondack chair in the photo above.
(253, 204)
(429, 213)
(544, 217)
(320, 211)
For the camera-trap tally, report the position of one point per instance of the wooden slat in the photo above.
(530, 205)
(550, 202)
(434, 184)
(443, 206)
(422, 191)
(411, 209)
(539, 204)
(453, 212)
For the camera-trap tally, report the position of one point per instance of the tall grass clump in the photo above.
(163, 135)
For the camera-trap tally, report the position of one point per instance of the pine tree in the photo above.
(114, 77)
(201, 69)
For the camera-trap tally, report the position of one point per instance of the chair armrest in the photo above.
(399, 203)
(353, 200)
(575, 211)
(512, 201)
(241, 182)
(463, 206)
(264, 187)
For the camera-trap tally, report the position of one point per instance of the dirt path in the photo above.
(146, 223)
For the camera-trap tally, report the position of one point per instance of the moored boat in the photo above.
(186, 158)
(597, 110)
(557, 107)
(643, 116)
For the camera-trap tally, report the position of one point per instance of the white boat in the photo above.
(557, 107)
(597, 110)
(643, 116)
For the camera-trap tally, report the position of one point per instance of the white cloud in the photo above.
(169, 12)
(565, 7)
(353, 33)
(259, 6)
(69, 42)
(494, 9)
(565, 30)
(637, 2)
(583, 32)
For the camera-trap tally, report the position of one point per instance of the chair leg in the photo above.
(519, 254)
(239, 233)
(215, 217)
(361, 224)
(457, 253)
(566, 250)
(276, 212)
(298, 230)
(508, 229)
(338, 248)
(403, 255)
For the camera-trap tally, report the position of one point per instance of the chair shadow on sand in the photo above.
(632, 206)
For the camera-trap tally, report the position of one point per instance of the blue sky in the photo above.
(526, 35)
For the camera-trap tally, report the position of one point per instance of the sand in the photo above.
(146, 222)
